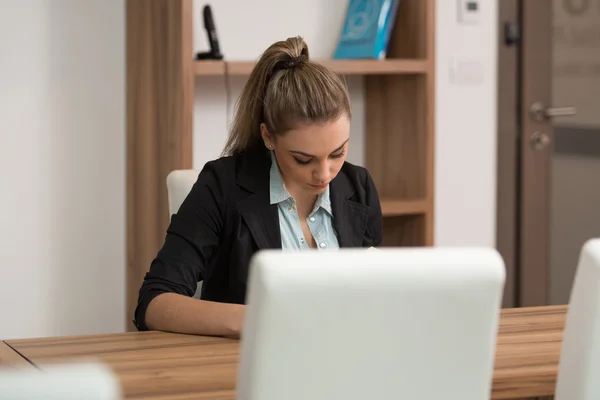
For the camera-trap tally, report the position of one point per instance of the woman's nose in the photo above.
(323, 172)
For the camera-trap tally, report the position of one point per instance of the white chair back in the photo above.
(179, 184)
(579, 366)
(354, 324)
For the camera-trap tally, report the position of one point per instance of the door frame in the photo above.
(536, 160)
(507, 148)
(524, 170)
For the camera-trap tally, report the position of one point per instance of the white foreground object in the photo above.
(579, 366)
(60, 382)
(352, 324)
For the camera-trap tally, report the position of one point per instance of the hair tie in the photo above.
(290, 63)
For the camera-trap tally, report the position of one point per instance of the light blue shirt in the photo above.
(320, 220)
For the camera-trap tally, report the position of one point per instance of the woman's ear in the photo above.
(266, 136)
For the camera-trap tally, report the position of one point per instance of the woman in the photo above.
(282, 183)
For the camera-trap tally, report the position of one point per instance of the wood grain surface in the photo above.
(10, 359)
(346, 67)
(157, 365)
(160, 109)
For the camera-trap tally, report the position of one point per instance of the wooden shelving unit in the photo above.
(399, 137)
(346, 67)
(394, 208)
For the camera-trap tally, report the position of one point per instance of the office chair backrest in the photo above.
(354, 324)
(179, 184)
(579, 366)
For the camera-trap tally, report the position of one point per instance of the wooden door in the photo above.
(549, 144)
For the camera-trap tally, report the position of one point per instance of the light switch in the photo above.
(469, 11)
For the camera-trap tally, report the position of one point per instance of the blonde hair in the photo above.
(285, 90)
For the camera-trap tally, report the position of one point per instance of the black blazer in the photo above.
(227, 217)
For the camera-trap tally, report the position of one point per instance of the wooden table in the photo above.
(178, 367)
(11, 359)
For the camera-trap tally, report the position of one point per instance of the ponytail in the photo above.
(285, 89)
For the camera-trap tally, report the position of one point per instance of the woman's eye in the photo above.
(301, 162)
(337, 155)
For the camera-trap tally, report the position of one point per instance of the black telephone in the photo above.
(211, 31)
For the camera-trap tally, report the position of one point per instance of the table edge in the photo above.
(11, 358)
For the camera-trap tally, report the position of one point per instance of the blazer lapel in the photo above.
(350, 218)
(261, 217)
(262, 220)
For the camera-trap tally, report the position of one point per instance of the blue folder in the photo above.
(367, 28)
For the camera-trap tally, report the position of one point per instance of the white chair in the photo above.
(179, 184)
(579, 366)
(74, 381)
(356, 324)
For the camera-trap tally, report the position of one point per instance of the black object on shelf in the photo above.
(213, 40)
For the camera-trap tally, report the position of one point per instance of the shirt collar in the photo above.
(278, 192)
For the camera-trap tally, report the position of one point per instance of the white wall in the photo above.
(465, 119)
(465, 158)
(62, 167)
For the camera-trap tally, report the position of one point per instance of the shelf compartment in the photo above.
(393, 207)
(345, 67)
(398, 139)
(404, 231)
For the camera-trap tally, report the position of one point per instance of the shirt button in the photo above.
(322, 244)
(301, 240)
(312, 219)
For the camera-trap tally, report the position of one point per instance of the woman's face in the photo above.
(310, 156)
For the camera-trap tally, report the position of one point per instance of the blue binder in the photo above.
(367, 29)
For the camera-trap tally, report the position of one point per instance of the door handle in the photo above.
(539, 112)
